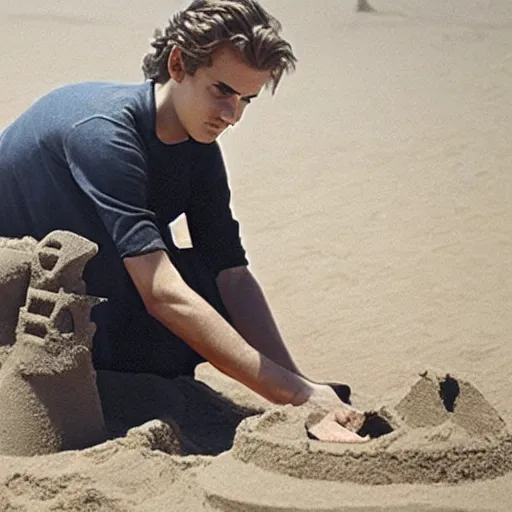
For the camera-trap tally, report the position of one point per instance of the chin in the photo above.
(204, 138)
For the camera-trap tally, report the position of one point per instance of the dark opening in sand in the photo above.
(48, 261)
(64, 321)
(41, 307)
(375, 426)
(36, 329)
(449, 390)
(53, 244)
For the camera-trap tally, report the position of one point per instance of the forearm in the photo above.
(252, 317)
(191, 318)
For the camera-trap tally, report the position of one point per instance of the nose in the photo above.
(229, 111)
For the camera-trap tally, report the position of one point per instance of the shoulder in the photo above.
(121, 103)
(108, 108)
(106, 95)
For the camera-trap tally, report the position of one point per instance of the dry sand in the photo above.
(375, 196)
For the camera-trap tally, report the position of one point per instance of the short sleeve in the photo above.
(213, 229)
(107, 161)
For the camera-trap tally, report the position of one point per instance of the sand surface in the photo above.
(375, 196)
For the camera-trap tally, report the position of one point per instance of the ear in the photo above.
(175, 65)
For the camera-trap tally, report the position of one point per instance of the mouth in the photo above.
(215, 127)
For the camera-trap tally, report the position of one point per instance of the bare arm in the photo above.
(251, 315)
(171, 301)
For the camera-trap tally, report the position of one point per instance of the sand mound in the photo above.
(139, 471)
(436, 400)
(443, 431)
(204, 421)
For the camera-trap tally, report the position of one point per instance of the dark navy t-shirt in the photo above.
(86, 158)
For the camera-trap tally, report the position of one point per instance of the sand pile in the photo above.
(135, 472)
(204, 420)
(443, 430)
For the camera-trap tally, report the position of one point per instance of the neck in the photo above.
(168, 127)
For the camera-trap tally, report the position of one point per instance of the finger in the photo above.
(330, 430)
(350, 419)
(335, 433)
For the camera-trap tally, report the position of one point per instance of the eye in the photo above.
(246, 100)
(224, 91)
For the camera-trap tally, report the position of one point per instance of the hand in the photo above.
(324, 397)
(341, 423)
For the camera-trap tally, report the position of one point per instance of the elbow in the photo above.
(159, 301)
(152, 305)
(158, 282)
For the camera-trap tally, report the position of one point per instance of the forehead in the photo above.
(229, 67)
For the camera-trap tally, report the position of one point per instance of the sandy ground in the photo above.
(375, 196)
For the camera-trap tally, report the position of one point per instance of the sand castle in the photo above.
(443, 430)
(48, 394)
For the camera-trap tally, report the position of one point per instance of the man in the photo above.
(117, 163)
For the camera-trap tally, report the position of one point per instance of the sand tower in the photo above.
(15, 257)
(48, 396)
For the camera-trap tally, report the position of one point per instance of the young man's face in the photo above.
(215, 97)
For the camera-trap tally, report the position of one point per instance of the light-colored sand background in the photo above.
(375, 195)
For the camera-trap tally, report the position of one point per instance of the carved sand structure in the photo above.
(15, 257)
(48, 395)
(442, 431)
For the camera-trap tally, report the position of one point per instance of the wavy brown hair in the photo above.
(206, 25)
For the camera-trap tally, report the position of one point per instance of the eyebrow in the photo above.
(232, 91)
